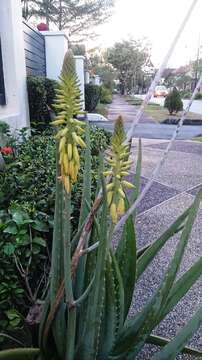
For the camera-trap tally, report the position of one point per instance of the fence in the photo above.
(35, 55)
(2, 87)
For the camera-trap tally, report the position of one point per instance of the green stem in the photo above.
(19, 354)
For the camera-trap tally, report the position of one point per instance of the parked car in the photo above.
(160, 91)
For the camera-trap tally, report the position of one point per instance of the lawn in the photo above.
(159, 113)
(197, 138)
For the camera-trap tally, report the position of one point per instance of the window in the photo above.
(2, 87)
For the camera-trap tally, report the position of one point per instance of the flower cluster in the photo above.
(118, 159)
(6, 150)
(69, 136)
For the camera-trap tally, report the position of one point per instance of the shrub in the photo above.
(105, 95)
(185, 94)
(41, 95)
(92, 96)
(198, 96)
(28, 185)
(173, 102)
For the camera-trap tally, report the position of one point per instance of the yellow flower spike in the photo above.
(121, 207)
(113, 213)
(71, 169)
(109, 197)
(121, 193)
(57, 122)
(68, 106)
(62, 144)
(66, 163)
(81, 142)
(76, 155)
(127, 184)
(109, 186)
(69, 151)
(107, 173)
(67, 184)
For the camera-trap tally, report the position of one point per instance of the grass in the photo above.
(102, 110)
(159, 113)
(197, 138)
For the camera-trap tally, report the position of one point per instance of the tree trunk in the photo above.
(60, 15)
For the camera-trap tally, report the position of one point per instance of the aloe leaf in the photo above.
(19, 354)
(143, 249)
(150, 251)
(161, 341)
(136, 331)
(126, 259)
(84, 296)
(86, 194)
(57, 252)
(57, 271)
(86, 199)
(90, 340)
(175, 346)
(182, 285)
(113, 313)
(138, 170)
(71, 319)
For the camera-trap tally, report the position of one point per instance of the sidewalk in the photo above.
(119, 106)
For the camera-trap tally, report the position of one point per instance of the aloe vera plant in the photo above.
(86, 312)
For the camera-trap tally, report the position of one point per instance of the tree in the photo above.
(97, 64)
(129, 57)
(173, 101)
(78, 16)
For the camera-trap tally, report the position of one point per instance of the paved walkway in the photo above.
(119, 106)
(147, 128)
(172, 192)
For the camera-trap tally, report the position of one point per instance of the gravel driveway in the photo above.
(172, 192)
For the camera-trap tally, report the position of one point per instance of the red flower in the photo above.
(6, 150)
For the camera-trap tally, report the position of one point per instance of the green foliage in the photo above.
(185, 94)
(28, 184)
(92, 97)
(79, 17)
(41, 95)
(24, 263)
(173, 102)
(128, 57)
(105, 95)
(198, 96)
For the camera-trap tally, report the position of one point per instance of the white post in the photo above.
(15, 112)
(56, 43)
(79, 60)
(87, 77)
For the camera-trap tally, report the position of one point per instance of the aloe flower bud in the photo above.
(118, 160)
(68, 106)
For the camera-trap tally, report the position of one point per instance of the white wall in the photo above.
(56, 46)
(15, 112)
(79, 62)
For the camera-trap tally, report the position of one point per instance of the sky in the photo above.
(158, 21)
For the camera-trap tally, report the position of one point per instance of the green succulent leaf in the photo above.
(175, 346)
(161, 341)
(126, 259)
